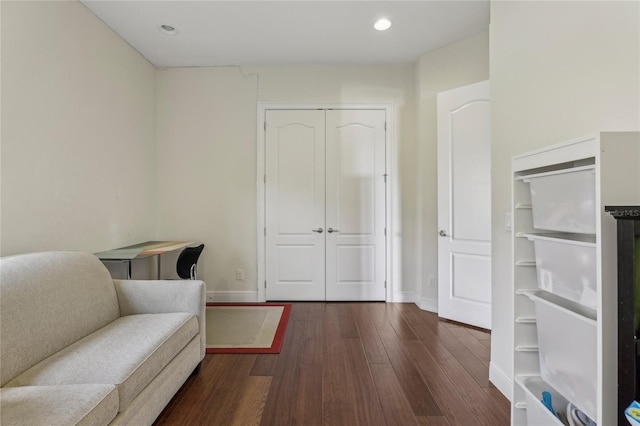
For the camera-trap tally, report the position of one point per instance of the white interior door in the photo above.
(295, 205)
(325, 201)
(464, 205)
(355, 239)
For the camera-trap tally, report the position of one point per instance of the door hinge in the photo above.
(265, 125)
(265, 283)
(265, 232)
(385, 284)
(385, 232)
(385, 125)
(385, 177)
(265, 178)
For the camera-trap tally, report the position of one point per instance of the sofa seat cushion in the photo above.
(127, 353)
(58, 405)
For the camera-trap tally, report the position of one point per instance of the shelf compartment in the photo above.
(566, 266)
(567, 337)
(564, 200)
(537, 413)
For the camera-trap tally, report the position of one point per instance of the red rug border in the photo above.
(278, 338)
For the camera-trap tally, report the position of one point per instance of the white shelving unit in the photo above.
(565, 312)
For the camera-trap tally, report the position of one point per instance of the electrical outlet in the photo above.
(432, 281)
(210, 298)
(239, 274)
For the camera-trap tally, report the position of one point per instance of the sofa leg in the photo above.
(196, 370)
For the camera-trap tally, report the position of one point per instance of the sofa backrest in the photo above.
(48, 301)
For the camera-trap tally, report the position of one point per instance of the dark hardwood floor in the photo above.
(350, 364)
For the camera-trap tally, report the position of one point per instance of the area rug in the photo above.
(246, 328)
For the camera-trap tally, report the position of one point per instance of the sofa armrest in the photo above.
(164, 296)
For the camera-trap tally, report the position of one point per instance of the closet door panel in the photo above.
(356, 205)
(325, 205)
(295, 191)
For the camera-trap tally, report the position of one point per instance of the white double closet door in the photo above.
(325, 205)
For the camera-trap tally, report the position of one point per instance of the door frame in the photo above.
(390, 154)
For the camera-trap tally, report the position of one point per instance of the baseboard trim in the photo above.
(252, 297)
(404, 297)
(428, 305)
(232, 296)
(501, 381)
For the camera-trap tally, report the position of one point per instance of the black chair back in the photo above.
(187, 261)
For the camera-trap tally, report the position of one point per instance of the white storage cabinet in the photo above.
(564, 274)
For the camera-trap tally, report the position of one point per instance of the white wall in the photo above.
(459, 64)
(206, 170)
(207, 138)
(559, 70)
(78, 132)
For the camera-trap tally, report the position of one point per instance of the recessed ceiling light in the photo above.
(168, 29)
(382, 24)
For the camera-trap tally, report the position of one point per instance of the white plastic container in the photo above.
(567, 349)
(566, 266)
(537, 413)
(564, 200)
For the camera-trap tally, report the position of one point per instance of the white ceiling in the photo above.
(216, 33)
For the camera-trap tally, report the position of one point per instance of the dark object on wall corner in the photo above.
(628, 231)
(186, 266)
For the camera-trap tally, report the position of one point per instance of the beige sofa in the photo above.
(77, 347)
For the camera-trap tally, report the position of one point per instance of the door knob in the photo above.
(319, 230)
(443, 233)
(331, 230)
